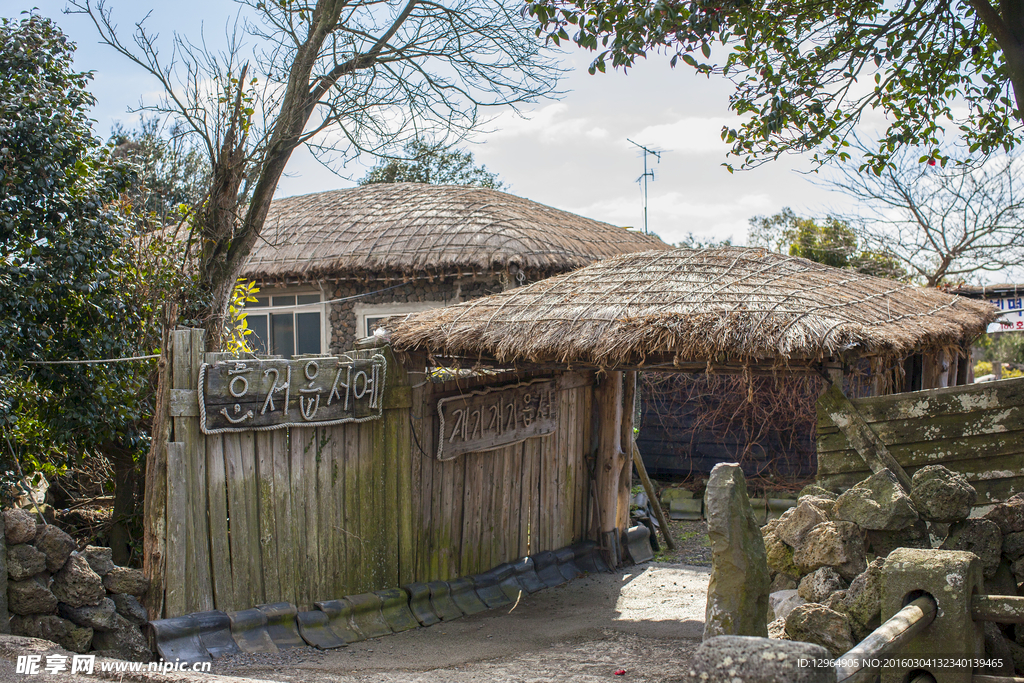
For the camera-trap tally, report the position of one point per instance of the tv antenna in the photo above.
(642, 180)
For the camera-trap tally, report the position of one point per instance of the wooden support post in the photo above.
(154, 537)
(641, 469)
(626, 446)
(609, 464)
(851, 423)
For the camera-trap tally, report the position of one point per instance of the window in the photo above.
(287, 324)
(370, 316)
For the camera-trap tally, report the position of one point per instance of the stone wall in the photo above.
(443, 291)
(78, 599)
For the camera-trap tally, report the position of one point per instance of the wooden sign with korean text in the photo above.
(493, 418)
(251, 394)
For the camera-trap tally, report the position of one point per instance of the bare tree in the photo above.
(944, 225)
(340, 76)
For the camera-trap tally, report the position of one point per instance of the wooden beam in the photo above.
(609, 464)
(849, 420)
(652, 495)
(626, 446)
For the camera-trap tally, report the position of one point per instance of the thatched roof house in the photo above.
(331, 265)
(409, 230)
(691, 308)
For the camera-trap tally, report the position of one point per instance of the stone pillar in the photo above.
(951, 577)
(738, 591)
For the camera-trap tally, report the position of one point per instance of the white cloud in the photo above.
(547, 124)
(689, 134)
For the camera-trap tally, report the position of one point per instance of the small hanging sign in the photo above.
(493, 418)
(259, 395)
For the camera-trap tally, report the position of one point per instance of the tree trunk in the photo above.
(126, 516)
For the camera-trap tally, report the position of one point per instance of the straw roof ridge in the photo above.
(696, 305)
(417, 228)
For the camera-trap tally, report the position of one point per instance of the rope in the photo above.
(87, 362)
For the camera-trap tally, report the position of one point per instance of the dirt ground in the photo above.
(646, 620)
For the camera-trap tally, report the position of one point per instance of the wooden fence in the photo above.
(975, 429)
(314, 513)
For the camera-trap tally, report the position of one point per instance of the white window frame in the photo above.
(321, 308)
(364, 311)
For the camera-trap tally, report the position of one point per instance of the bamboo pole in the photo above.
(638, 461)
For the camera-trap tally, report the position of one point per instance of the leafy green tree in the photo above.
(69, 282)
(806, 72)
(433, 164)
(832, 242)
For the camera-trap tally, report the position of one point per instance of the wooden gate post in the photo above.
(626, 447)
(609, 464)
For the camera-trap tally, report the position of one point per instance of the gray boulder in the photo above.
(97, 617)
(19, 526)
(30, 597)
(781, 603)
(942, 495)
(777, 629)
(783, 582)
(1003, 581)
(779, 555)
(124, 641)
(820, 584)
(727, 659)
(100, 559)
(737, 600)
(129, 607)
(878, 503)
(24, 562)
(817, 492)
(131, 581)
(1013, 545)
(77, 584)
(53, 628)
(832, 544)
(862, 601)
(797, 521)
(979, 536)
(820, 625)
(881, 543)
(56, 545)
(1009, 515)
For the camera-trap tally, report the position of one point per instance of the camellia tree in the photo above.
(806, 72)
(70, 289)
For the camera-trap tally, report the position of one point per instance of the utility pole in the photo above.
(642, 180)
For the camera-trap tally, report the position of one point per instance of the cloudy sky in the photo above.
(571, 153)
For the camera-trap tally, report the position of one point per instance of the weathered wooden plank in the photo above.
(339, 574)
(392, 503)
(428, 534)
(508, 541)
(184, 403)
(406, 503)
(311, 503)
(930, 453)
(536, 502)
(353, 539)
(455, 524)
(252, 493)
(515, 491)
(868, 444)
(378, 529)
(298, 443)
(368, 518)
(925, 429)
(443, 516)
(175, 601)
(947, 401)
(283, 516)
(324, 514)
(267, 515)
(416, 456)
(568, 470)
(220, 549)
(238, 521)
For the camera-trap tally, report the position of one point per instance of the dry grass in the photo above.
(725, 305)
(408, 230)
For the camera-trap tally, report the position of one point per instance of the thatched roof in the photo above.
(727, 305)
(405, 229)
